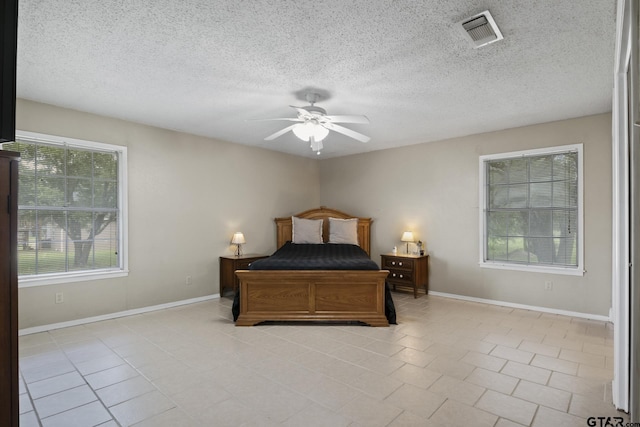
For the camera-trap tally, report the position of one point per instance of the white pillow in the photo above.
(343, 231)
(306, 230)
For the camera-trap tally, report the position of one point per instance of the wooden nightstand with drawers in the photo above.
(410, 271)
(228, 267)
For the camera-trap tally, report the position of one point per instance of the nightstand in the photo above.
(228, 267)
(407, 271)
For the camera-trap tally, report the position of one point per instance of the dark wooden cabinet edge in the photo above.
(11, 354)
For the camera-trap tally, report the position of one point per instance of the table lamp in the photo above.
(407, 236)
(238, 240)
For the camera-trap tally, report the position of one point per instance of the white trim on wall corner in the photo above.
(622, 135)
(45, 328)
(523, 306)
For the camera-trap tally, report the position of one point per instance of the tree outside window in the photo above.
(68, 212)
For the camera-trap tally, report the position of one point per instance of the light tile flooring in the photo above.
(447, 362)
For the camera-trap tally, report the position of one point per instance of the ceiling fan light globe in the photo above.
(320, 133)
(306, 130)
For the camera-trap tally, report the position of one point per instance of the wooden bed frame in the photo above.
(314, 295)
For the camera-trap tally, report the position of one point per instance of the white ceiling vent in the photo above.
(481, 29)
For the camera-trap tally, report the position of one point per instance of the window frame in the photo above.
(86, 275)
(505, 265)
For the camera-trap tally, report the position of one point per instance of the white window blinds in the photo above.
(532, 211)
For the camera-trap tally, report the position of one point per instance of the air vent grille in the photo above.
(481, 29)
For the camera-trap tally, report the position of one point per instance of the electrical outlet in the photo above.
(548, 286)
(187, 280)
(59, 298)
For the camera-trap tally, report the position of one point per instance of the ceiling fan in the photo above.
(313, 124)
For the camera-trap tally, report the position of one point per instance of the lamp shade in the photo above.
(238, 238)
(407, 236)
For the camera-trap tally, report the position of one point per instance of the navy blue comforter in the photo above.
(292, 256)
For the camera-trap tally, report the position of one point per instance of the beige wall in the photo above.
(432, 189)
(187, 195)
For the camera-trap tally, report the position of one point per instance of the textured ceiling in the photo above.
(208, 67)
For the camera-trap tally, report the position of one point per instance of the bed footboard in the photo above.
(312, 295)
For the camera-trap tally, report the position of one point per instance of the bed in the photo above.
(278, 289)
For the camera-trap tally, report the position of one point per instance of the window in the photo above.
(71, 209)
(532, 210)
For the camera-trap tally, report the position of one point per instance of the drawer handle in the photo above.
(399, 263)
(393, 263)
(394, 274)
(401, 276)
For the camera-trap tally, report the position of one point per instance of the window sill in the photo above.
(567, 271)
(56, 279)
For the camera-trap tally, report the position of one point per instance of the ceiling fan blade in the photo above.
(288, 119)
(280, 133)
(348, 119)
(346, 131)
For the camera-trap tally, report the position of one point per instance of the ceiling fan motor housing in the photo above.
(313, 109)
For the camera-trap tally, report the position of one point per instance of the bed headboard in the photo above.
(285, 228)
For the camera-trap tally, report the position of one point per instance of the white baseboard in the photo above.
(523, 306)
(44, 328)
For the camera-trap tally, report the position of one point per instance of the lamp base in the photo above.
(238, 250)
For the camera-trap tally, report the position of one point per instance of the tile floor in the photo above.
(447, 362)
